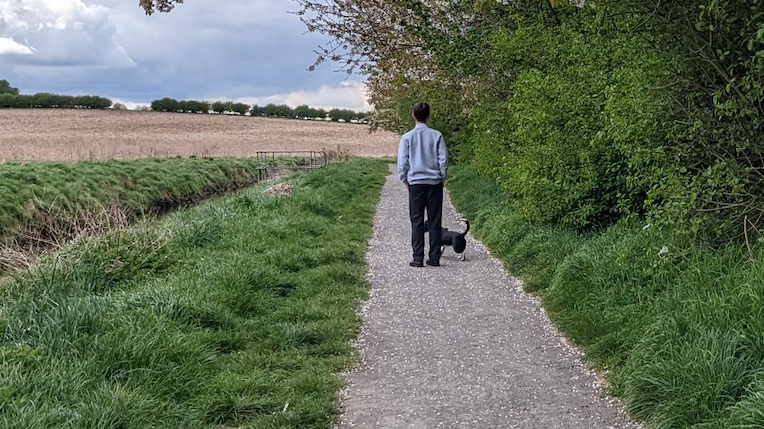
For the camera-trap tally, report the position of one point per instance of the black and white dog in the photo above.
(457, 240)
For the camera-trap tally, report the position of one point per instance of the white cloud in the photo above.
(245, 49)
(10, 46)
(349, 95)
(63, 33)
(131, 105)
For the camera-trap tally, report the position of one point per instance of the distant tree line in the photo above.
(182, 106)
(307, 112)
(268, 111)
(11, 98)
(229, 106)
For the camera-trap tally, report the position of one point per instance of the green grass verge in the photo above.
(235, 313)
(679, 329)
(52, 197)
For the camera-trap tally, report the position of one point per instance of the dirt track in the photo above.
(55, 134)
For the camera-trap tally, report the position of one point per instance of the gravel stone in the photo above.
(461, 345)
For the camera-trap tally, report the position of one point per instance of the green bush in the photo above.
(588, 115)
(6, 88)
(183, 106)
(240, 108)
(165, 105)
(344, 115)
(220, 107)
(48, 101)
(576, 142)
(229, 106)
(278, 111)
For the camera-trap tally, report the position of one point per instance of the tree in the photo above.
(278, 111)
(151, 6)
(240, 108)
(343, 115)
(8, 100)
(6, 88)
(257, 110)
(219, 107)
(165, 105)
(193, 106)
(305, 112)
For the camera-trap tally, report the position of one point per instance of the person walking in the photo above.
(423, 167)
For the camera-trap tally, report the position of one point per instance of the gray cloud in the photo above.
(235, 49)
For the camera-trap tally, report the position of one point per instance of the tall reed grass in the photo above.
(235, 313)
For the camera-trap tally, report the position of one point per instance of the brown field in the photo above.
(56, 135)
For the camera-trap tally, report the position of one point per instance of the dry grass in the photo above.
(280, 190)
(57, 135)
(51, 229)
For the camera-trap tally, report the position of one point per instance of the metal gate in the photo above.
(276, 162)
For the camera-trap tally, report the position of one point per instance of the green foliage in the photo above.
(183, 106)
(343, 115)
(6, 88)
(257, 110)
(592, 114)
(230, 107)
(675, 325)
(240, 108)
(192, 106)
(221, 107)
(720, 140)
(165, 105)
(270, 110)
(307, 112)
(581, 131)
(48, 101)
(236, 313)
(54, 196)
(278, 111)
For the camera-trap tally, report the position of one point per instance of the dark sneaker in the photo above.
(432, 263)
(417, 264)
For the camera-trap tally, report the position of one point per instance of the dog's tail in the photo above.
(468, 228)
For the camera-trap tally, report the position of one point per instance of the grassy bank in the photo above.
(677, 327)
(235, 313)
(43, 203)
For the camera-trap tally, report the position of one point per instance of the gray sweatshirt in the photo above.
(422, 157)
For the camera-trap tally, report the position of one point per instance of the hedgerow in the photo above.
(575, 141)
(269, 110)
(48, 101)
(586, 112)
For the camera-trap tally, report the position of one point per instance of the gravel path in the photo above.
(460, 346)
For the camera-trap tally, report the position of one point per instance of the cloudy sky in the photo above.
(247, 50)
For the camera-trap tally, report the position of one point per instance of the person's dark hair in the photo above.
(422, 112)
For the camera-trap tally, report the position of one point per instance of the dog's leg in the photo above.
(463, 256)
(442, 250)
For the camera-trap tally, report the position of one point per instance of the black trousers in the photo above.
(430, 198)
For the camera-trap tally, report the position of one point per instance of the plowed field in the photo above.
(55, 135)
